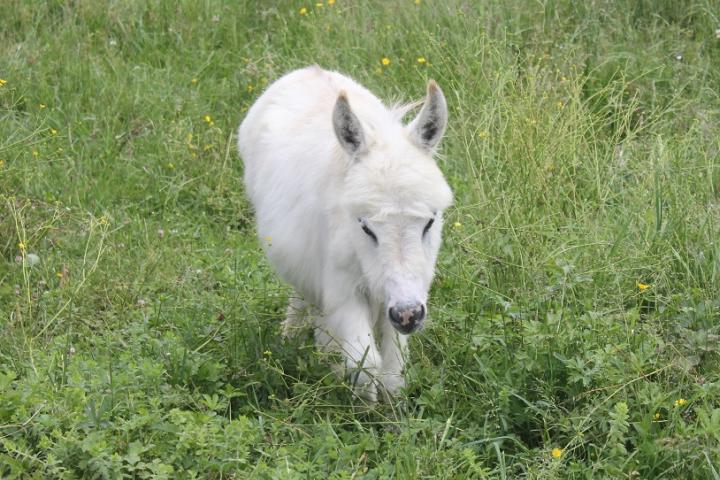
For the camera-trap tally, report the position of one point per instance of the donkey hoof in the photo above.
(392, 384)
(365, 388)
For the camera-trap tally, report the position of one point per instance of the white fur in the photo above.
(309, 194)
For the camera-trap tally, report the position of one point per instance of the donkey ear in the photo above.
(428, 127)
(347, 127)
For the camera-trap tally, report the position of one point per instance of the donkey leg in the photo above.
(393, 347)
(295, 317)
(348, 330)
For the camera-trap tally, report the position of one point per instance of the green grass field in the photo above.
(575, 315)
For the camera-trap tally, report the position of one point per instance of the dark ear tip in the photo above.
(342, 97)
(432, 86)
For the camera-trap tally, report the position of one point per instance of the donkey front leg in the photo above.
(297, 312)
(347, 329)
(394, 352)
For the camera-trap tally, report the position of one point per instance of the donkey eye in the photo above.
(427, 227)
(368, 232)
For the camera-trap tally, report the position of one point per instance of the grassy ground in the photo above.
(575, 314)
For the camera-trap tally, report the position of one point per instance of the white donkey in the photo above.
(349, 205)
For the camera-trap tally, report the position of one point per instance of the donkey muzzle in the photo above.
(407, 319)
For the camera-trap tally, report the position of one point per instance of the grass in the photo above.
(575, 312)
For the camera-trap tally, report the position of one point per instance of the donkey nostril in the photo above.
(419, 314)
(402, 316)
(393, 314)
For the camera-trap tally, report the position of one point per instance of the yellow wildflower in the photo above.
(457, 225)
(556, 452)
(208, 119)
(421, 60)
(22, 247)
(53, 132)
(303, 11)
(680, 402)
(171, 166)
(59, 274)
(318, 5)
(250, 88)
(560, 105)
(385, 61)
(657, 416)
(642, 286)
(2, 82)
(35, 153)
(2, 164)
(417, 2)
(42, 106)
(484, 134)
(267, 353)
(194, 81)
(331, 2)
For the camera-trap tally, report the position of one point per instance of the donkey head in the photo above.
(394, 198)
